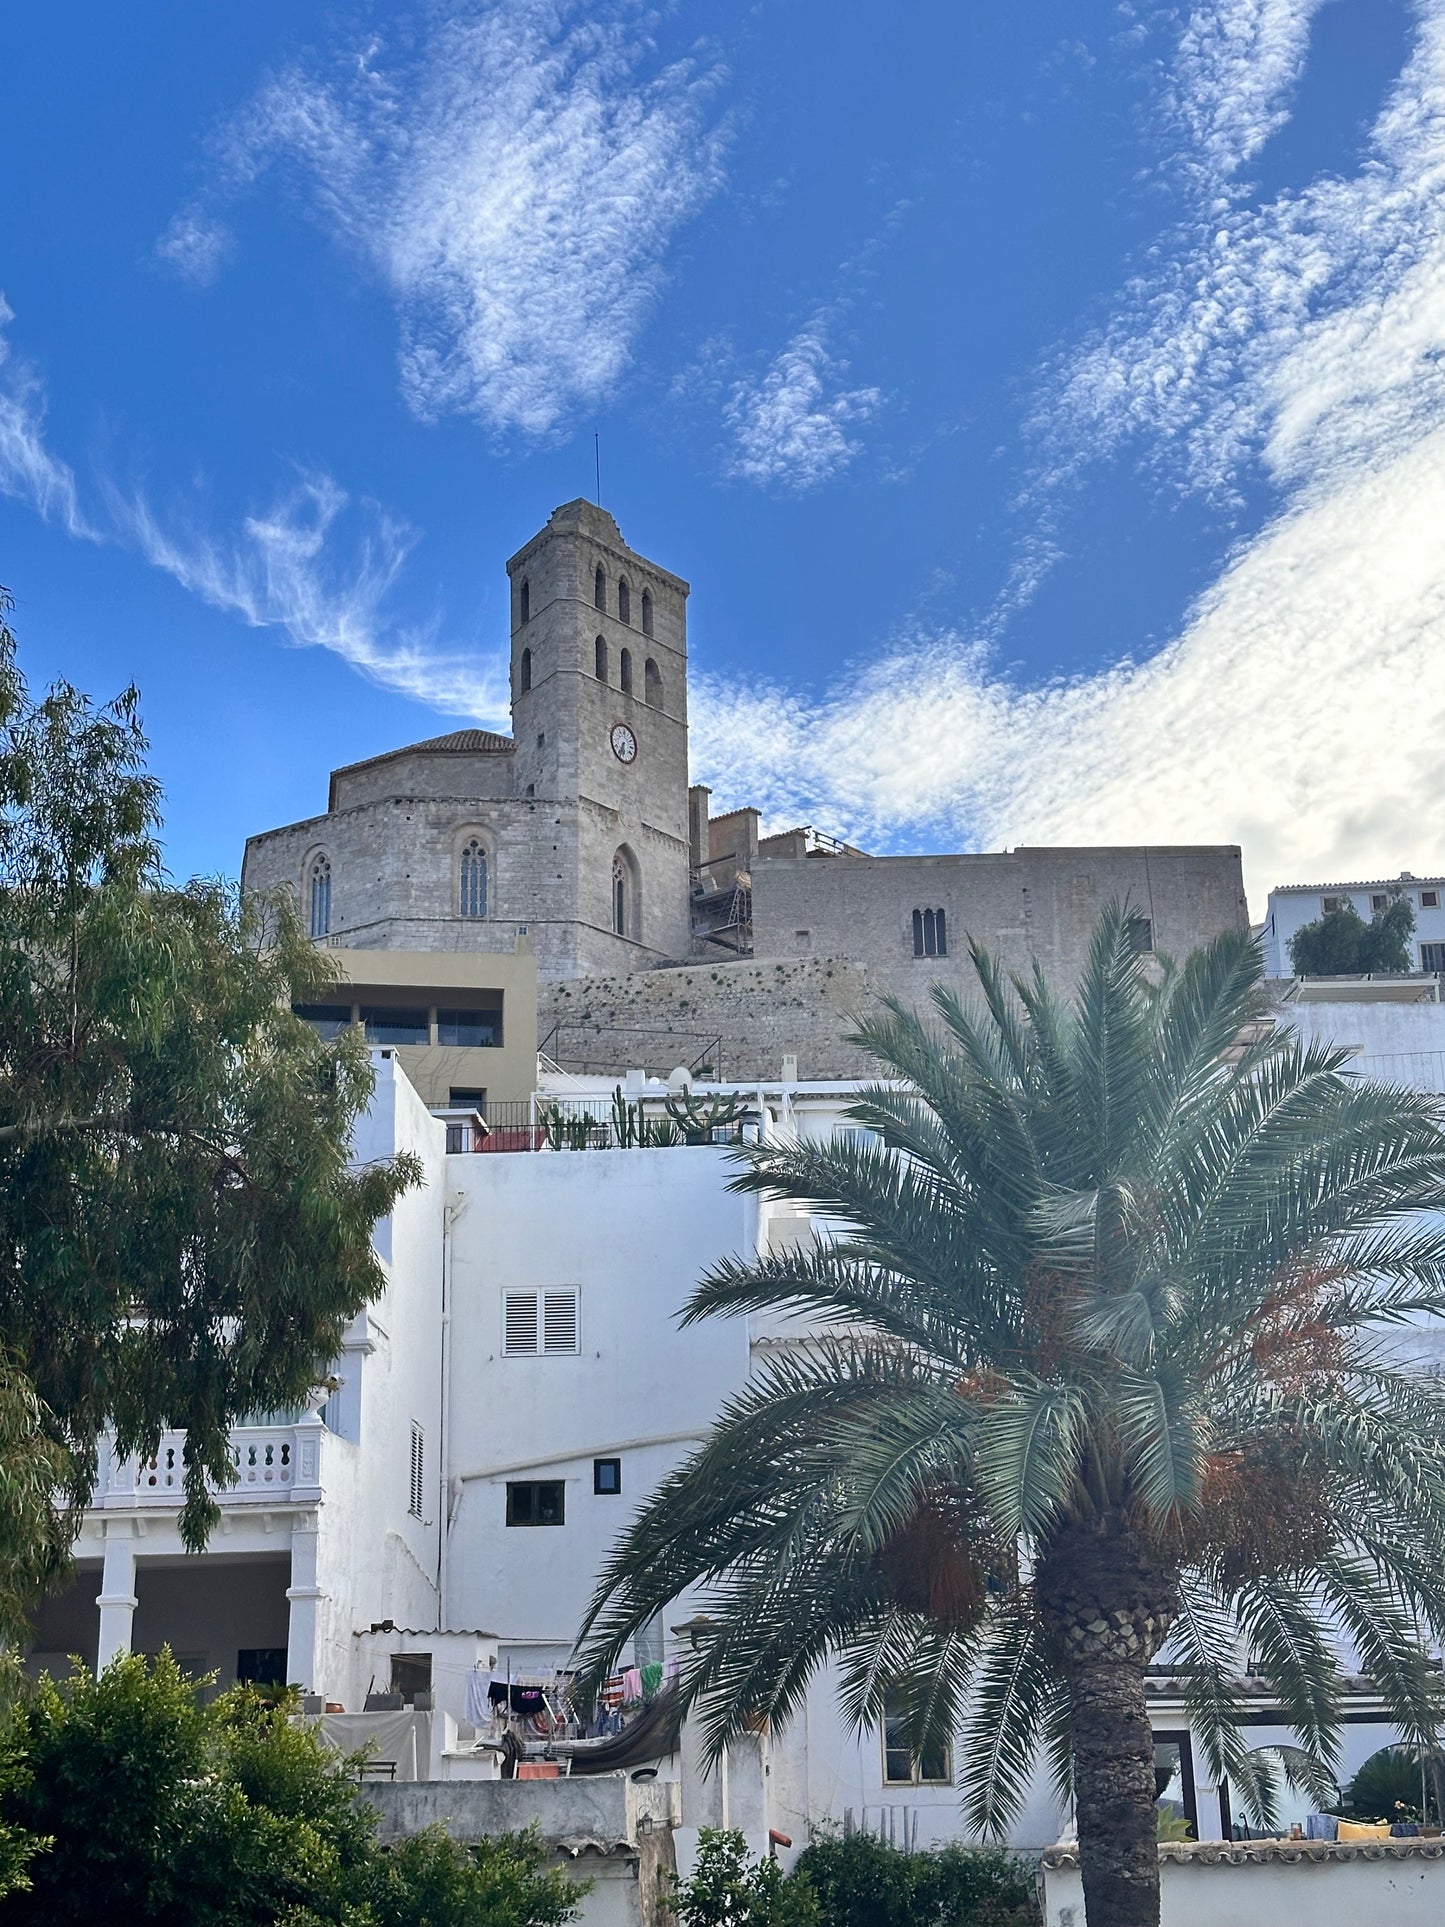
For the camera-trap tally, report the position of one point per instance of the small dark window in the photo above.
(601, 658)
(470, 1029)
(526, 601)
(624, 664)
(410, 1675)
(536, 1502)
(1141, 935)
(607, 1477)
(1332, 906)
(387, 1026)
(647, 612)
(526, 676)
(624, 601)
(471, 1099)
(1379, 902)
(261, 1666)
(327, 1020)
(542, 739)
(930, 933)
(652, 683)
(599, 587)
(1432, 956)
(1429, 899)
(321, 897)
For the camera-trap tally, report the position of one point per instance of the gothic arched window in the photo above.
(321, 897)
(930, 933)
(472, 895)
(601, 659)
(526, 602)
(624, 601)
(526, 675)
(619, 896)
(647, 612)
(624, 666)
(599, 588)
(652, 683)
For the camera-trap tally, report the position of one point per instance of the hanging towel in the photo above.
(631, 1685)
(651, 1679)
(479, 1706)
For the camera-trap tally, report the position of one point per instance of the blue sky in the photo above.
(1047, 404)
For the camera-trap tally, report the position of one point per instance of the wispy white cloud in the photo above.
(194, 245)
(1301, 710)
(515, 181)
(28, 468)
(790, 426)
(320, 568)
(1233, 78)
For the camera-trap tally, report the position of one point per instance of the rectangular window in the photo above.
(468, 1100)
(418, 1470)
(410, 1675)
(1429, 899)
(1432, 956)
(1331, 906)
(327, 1020)
(930, 933)
(539, 1322)
(256, 1666)
(607, 1477)
(536, 1502)
(901, 1765)
(1141, 935)
(1379, 902)
(470, 1029)
(385, 1025)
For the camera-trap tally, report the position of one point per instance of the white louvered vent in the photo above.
(418, 1470)
(519, 1338)
(536, 1322)
(559, 1321)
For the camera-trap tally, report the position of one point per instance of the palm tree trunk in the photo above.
(1114, 1793)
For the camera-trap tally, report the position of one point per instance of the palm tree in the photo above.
(1092, 1359)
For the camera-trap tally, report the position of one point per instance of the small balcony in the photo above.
(274, 1464)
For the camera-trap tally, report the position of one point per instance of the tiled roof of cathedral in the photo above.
(475, 742)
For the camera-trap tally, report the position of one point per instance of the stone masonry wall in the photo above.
(760, 1009)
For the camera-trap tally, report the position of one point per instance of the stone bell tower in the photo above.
(599, 716)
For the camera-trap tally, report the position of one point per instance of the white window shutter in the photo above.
(418, 1470)
(559, 1321)
(519, 1338)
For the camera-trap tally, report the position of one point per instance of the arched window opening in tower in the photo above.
(624, 601)
(647, 612)
(624, 664)
(930, 933)
(526, 602)
(619, 896)
(599, 588)
(321, 897)
(652, 683)
(601, 659)
(526, 678)
(473, 880)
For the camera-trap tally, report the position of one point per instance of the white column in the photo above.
(303, 1659)
(116, 1599)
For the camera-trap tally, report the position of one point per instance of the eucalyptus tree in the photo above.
(1092, 1367)
(182, 1237)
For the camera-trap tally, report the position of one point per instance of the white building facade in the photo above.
(518, 1388)
(1293, 905)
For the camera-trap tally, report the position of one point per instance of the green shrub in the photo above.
(124, 1799)
(862, 1882)
(726, 1890)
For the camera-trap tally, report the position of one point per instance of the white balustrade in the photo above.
(271, 1461)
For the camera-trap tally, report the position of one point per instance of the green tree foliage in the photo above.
(727, 1890)
(136, 1802)
(1100, 1365)
(182, 1242)
(1342, 944)
(863, 1882)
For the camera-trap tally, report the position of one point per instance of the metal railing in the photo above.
(701, 1052)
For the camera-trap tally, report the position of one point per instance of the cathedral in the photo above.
(577, 841)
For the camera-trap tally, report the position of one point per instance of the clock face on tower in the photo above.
(624, 743)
